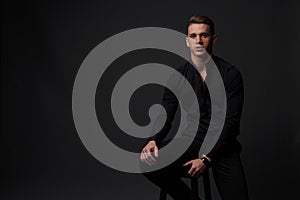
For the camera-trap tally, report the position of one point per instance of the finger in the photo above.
(151, 160)
(145, 150)
(147, 161)
(143, 158)
(196, 171)
(197, 174)
(187, 163)
(156, 151)
(191, 170)
(145, 153)
(150, 157)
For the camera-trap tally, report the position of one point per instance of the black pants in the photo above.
(227, 170)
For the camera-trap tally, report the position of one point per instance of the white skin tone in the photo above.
(198, 39)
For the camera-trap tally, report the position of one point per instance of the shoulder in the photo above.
(187, 69)
(226, 69)
(184, 68)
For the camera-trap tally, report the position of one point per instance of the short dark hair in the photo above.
(195, 19)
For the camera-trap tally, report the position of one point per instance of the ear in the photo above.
(187, 42)
(214, 39)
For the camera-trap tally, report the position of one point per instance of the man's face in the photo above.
(199, 38)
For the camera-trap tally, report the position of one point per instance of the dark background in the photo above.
(43, 44)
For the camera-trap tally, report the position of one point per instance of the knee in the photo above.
(152, 176)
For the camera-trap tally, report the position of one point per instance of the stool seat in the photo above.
(194, 188)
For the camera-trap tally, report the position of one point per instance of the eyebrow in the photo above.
(190, 34)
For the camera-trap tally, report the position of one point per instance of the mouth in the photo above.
(199, 48)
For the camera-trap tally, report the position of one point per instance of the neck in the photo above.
(200, 63)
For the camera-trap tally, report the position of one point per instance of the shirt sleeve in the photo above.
(170, 103)
(235, 98)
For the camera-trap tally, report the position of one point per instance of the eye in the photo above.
(192, 35)
(204, 35)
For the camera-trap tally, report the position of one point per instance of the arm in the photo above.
(170, 103)
(235, 99)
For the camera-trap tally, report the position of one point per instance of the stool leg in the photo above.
(194, 187)
(162, 195)
(206, 184)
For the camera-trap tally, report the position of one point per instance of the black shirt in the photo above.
(234, 89)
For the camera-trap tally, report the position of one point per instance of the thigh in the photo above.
(229, 177)
(174, 169)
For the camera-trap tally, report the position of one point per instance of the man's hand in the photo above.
(146, 154)
(197, 167)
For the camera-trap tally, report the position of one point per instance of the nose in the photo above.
(198, 39)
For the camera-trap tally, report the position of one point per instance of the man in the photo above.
(224, 158)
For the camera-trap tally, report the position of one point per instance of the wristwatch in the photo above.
(205, 161)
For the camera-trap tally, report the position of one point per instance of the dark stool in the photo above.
(194, 188)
